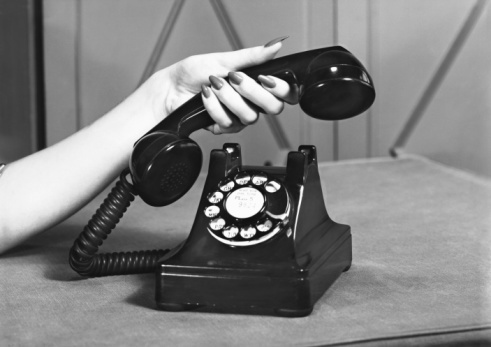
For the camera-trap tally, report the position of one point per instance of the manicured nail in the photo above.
(215, 82)
(234, 77)
(206, 91)
(267, 81)
(275, 41)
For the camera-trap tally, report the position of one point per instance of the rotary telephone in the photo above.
(262, 241)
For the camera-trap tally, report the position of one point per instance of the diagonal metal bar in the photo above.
(227, 25)
(438, 77)
(162, 40)
(236, 43)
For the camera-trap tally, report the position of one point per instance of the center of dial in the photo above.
(244, 202)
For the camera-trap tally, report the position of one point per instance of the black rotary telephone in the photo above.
(262, 241)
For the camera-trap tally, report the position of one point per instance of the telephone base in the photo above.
(288, 290)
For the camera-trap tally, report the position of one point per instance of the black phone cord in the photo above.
(83, 254)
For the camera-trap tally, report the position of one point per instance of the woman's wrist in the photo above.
(157, 95)
(140, 111)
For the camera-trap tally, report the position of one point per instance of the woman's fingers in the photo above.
(225, 120)
(279, 88)
(256, 94)
(233, 101)
(238, 102)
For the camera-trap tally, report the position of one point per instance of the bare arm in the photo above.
(41, 190)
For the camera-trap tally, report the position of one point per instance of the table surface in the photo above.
(420, 274)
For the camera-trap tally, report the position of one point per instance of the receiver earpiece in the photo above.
(336, 87)
(164, 166)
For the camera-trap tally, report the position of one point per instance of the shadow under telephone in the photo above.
(262, 241)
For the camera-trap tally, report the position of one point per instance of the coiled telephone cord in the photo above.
(83, 254)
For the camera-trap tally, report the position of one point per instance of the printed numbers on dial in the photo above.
(215, 197)
(230, 232)
(242, 178)
(247, 232)
(212, 211)
(227, 186)
(217, 224)
(259, 180)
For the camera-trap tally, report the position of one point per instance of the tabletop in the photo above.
(420, 275)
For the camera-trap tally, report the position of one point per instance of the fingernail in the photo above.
(206, 91)
(215, 82)
(234, 77)
(275, 41)
(267, 81)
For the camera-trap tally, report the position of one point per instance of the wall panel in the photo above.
(410, 39)
(352, 32)
(21, 77)
(456, 128)
(60, 32)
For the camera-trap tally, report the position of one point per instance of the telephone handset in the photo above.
(332, 85)
(262, 241)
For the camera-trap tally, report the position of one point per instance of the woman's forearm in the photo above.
(45, 188)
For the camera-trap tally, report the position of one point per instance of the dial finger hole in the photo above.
(217, 224)
(259, 180)
(247, 232)
(227, 186)
(242, 178)
(215, 197)
(272, 186)
(265, 225)
(212, 211)
(230, 232)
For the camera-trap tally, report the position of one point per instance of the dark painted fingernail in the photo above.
(206, 91)
(267, 81)
(234, 77)
(215, 82)
(275, 41)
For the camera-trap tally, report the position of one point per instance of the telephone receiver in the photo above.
(262, 241)
(330, 83)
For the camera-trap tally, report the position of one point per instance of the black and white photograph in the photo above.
(245, 173)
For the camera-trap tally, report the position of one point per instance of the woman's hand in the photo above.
(232, 105)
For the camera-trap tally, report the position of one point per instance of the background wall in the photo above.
(96, 52)
(21, 87)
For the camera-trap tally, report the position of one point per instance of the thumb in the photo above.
(240, 59)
